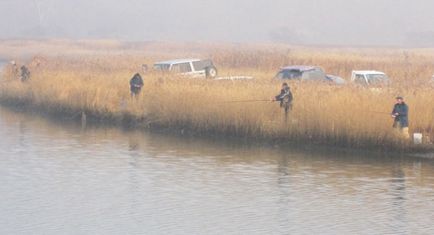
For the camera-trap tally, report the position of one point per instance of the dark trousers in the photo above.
(135, 91)
(287, 106)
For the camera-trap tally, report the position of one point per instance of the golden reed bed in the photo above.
(346, 116)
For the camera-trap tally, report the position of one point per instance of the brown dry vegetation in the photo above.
(336, 115)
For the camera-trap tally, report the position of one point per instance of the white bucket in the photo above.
(417, 138)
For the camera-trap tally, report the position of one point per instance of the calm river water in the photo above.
(57, 178)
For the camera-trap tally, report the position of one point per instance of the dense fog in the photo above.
(319, 22)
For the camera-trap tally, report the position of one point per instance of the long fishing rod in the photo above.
(246, 101)
(378, 112)
(252, 101)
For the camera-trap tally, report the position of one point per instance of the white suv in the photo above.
(369, 78)
(190, 67)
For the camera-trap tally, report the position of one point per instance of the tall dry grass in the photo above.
(337, 115)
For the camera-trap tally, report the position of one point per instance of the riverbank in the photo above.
(181, 135)
(128, 122)
(96, 84)
(341, 116)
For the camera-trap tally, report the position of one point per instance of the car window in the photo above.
(360, 79)
(377, 79)
(201, 65)
(289, 74)
(313, 75)
(162, 67)
(181, 68)
(280, 75)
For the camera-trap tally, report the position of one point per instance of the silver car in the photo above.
(307, 73)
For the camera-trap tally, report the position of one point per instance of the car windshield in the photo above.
(377, 78)
(289, 74)
(162, 67)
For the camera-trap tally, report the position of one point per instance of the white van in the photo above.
(190, 67)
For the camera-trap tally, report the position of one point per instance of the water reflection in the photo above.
(398, 193)
(58, 178)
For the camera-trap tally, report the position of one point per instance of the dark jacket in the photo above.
(402, 117)
(285, 96)
(25, 73)
(136, 83)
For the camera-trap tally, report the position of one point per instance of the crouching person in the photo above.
(400, 116)
(136, 84)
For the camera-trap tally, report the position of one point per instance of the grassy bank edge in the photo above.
(129, 121)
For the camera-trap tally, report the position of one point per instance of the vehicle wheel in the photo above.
(211, 72)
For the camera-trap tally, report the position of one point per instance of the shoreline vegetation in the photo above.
(96, 83)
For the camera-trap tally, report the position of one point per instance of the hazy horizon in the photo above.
(308, 22)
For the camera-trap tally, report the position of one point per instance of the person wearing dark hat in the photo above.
(136, 84)
(285, 98)
(400, 116)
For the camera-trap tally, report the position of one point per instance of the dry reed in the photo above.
(347, 115)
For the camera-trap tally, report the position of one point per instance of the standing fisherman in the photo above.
(400, 116)
(285, 97)
(24, 74)
(136, 84)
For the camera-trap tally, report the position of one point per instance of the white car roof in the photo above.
(365, 72)
(177, 61)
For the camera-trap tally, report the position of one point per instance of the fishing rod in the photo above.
(378, 112)
(247, 101)
(252, 101)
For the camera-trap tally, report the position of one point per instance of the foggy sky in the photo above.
(336, 22)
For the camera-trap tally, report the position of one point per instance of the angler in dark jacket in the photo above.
(136, 84)
(400, 116)
(25, 73)
(285, 97)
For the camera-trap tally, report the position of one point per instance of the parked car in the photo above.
(190, 67)
(307, 73)
(335, 79)
(369, 78)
